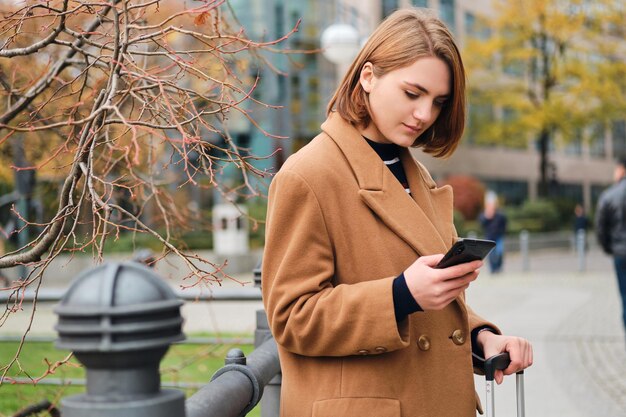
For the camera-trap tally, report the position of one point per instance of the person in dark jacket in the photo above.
(611, 226)
(581, 222)
(494, 223)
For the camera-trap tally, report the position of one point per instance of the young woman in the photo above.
(366, 326)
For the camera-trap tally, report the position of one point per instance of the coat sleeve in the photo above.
(476, 322)
(603, 224)
(307, 313)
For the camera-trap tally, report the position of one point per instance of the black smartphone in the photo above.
(466, 250)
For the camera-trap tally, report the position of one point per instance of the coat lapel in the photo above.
(420, 221)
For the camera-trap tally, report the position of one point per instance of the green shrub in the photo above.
(534, 216)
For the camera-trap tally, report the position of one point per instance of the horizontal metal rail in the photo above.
(191, 294)
(189, 341)
(241, 384)
(81, 382)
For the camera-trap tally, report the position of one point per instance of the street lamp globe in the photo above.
(340, 43)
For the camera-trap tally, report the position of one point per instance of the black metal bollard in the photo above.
(119, 319)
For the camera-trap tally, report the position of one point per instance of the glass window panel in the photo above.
(447, 13)
(619, 138)
(511, 193)
(389, 6)
(574, 146)
(597, 141)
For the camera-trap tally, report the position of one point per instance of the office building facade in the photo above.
(580, 167)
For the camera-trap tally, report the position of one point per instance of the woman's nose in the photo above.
(422, 111)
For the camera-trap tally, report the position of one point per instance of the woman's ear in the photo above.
(366, 77)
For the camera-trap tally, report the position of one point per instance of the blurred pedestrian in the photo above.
(611, 226)
(494, 223)
(365, 324)
(581, 222)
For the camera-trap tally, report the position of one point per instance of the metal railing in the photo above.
(579, 242)
(222, 294)
(121, 340)
(239, 386)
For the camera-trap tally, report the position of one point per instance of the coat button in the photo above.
(423, 342)
(381, 349)
(458, 337)
(363, 352)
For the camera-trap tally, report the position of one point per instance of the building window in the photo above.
(511, 193)
(470, 24)
(619, 138)
(597, 141)
(480, 115)
(389, 6)
(476, 27)
(568, 192)
(420, 3)
(446, 10)
(574, 146)
(511, 136)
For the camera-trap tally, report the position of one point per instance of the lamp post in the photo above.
(340, 44)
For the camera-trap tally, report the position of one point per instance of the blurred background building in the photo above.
(580, 167)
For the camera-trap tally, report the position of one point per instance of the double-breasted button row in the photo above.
(458, 338)
(378, 349)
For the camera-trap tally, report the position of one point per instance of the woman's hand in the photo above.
(432, 288)
(520, 351)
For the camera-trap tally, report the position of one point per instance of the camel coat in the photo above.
(340, 228)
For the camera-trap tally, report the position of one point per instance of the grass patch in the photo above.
(182, 363)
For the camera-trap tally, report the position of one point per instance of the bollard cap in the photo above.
(118, 307)
(235, 356)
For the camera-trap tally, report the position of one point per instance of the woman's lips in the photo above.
(412, 128)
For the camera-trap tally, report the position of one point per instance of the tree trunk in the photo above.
(544, 142)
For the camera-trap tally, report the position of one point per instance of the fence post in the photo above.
(581, 240)
(270, 402)
(119, 319)
(524, 238)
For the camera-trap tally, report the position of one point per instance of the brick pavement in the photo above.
(574, 322)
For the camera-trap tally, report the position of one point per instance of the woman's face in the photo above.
(406, 101)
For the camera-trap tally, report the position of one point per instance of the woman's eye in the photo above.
(440, 103)
(411, 95)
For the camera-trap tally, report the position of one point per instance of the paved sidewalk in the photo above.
(571, 317)
(574, 322)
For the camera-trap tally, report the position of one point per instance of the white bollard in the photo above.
(524, 238)
(581, 238)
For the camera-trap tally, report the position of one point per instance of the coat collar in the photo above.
(424, 221)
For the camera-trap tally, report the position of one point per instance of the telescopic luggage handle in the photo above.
(501, 362)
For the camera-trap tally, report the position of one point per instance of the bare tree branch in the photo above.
(9, 53)
(45, 81)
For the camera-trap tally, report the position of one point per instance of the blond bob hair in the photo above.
(400, 40)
